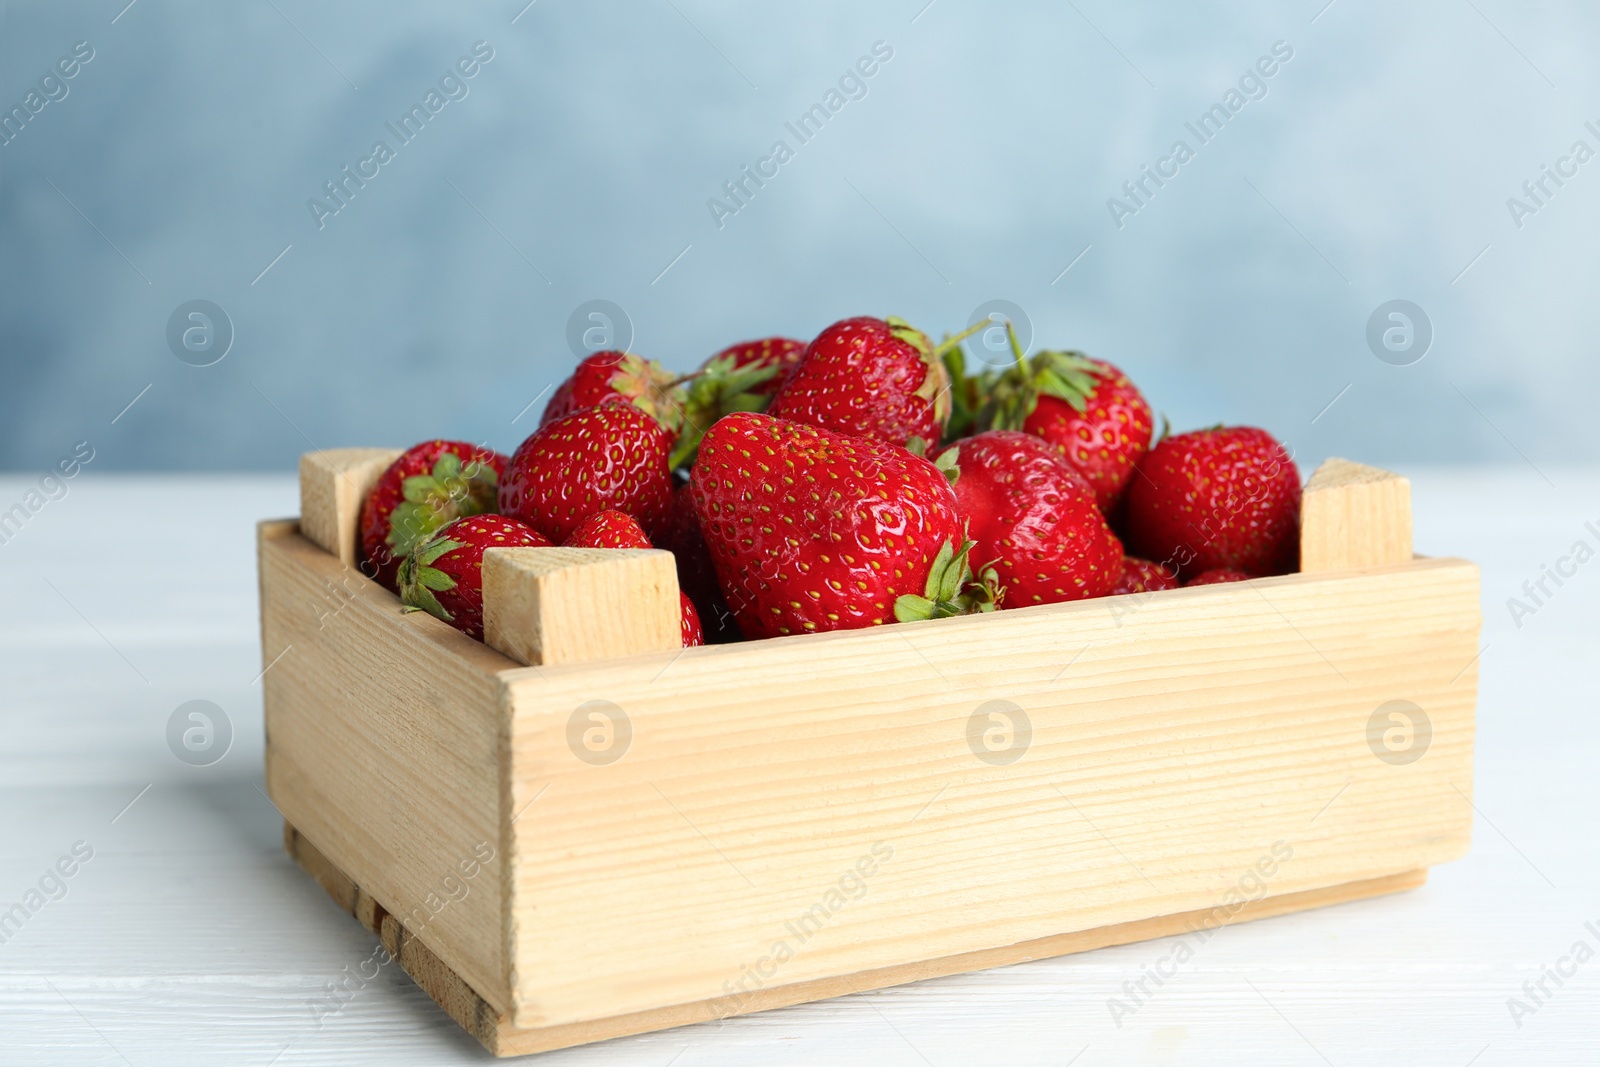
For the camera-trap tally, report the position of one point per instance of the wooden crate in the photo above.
(579, 830)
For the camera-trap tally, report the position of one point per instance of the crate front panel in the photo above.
(813, 807)
(383, 749)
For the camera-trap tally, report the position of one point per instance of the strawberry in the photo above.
(693, 633)
(613, 529)
(444, 576)
(867, 377)
(778, 353)
(1217, 576)
(427, 486)
(607, 529)
(1142, 576)
(612, 456)
(697, 576)
(1034, 519)
(618, 378)
(1085, 407)
(1224, 497)
(814, 530)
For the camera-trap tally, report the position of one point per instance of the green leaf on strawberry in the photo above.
(952, 588)
(721, 388)
(431, 500)
(419, 579)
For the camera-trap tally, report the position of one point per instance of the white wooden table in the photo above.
(189, 937)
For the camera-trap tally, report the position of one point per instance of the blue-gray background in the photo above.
(976, 167)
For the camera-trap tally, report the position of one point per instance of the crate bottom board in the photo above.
(501, 1038)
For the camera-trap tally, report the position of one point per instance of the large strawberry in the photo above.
(427, 486)
(868, 377)
(815, 530)
(612, 456)
(1033, 518)
(613, 529)
(1219, 498)
(1085, 407)
(618, 378)
(444, 576)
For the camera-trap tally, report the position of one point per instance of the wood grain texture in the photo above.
(383, 746)
(333, 485)
(500, 1036)
(1353, 516)
(1175, 738)
(568, 605)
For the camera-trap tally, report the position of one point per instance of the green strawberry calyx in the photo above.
(651, 388)
(967, 391)
(1066, 375)
(419, 579)
(450, 491)
(952, 588)
(936, 384)
(721, 388)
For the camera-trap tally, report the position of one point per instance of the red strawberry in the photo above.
(1086, 407)
(815, 530)
(867, 377)
(607, 529)
(1217, 576)
(1226, 497)
(1033, 519)
(612, 456)
(697, 576)
(427, 486)
(778, 353)
(618, 378)
(444, 576)
(693, 633)
(1142, 576)
(613, 529)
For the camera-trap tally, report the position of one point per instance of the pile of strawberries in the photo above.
(860, 479)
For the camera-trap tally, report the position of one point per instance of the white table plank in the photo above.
(191, 938)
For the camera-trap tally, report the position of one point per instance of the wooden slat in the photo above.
(569, 605)
(498, 1034)
(383, 746)
(333, 485)
(1175, 739)
(1354, 516)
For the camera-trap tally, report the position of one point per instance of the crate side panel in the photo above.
(792, 810)
(383, 741)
